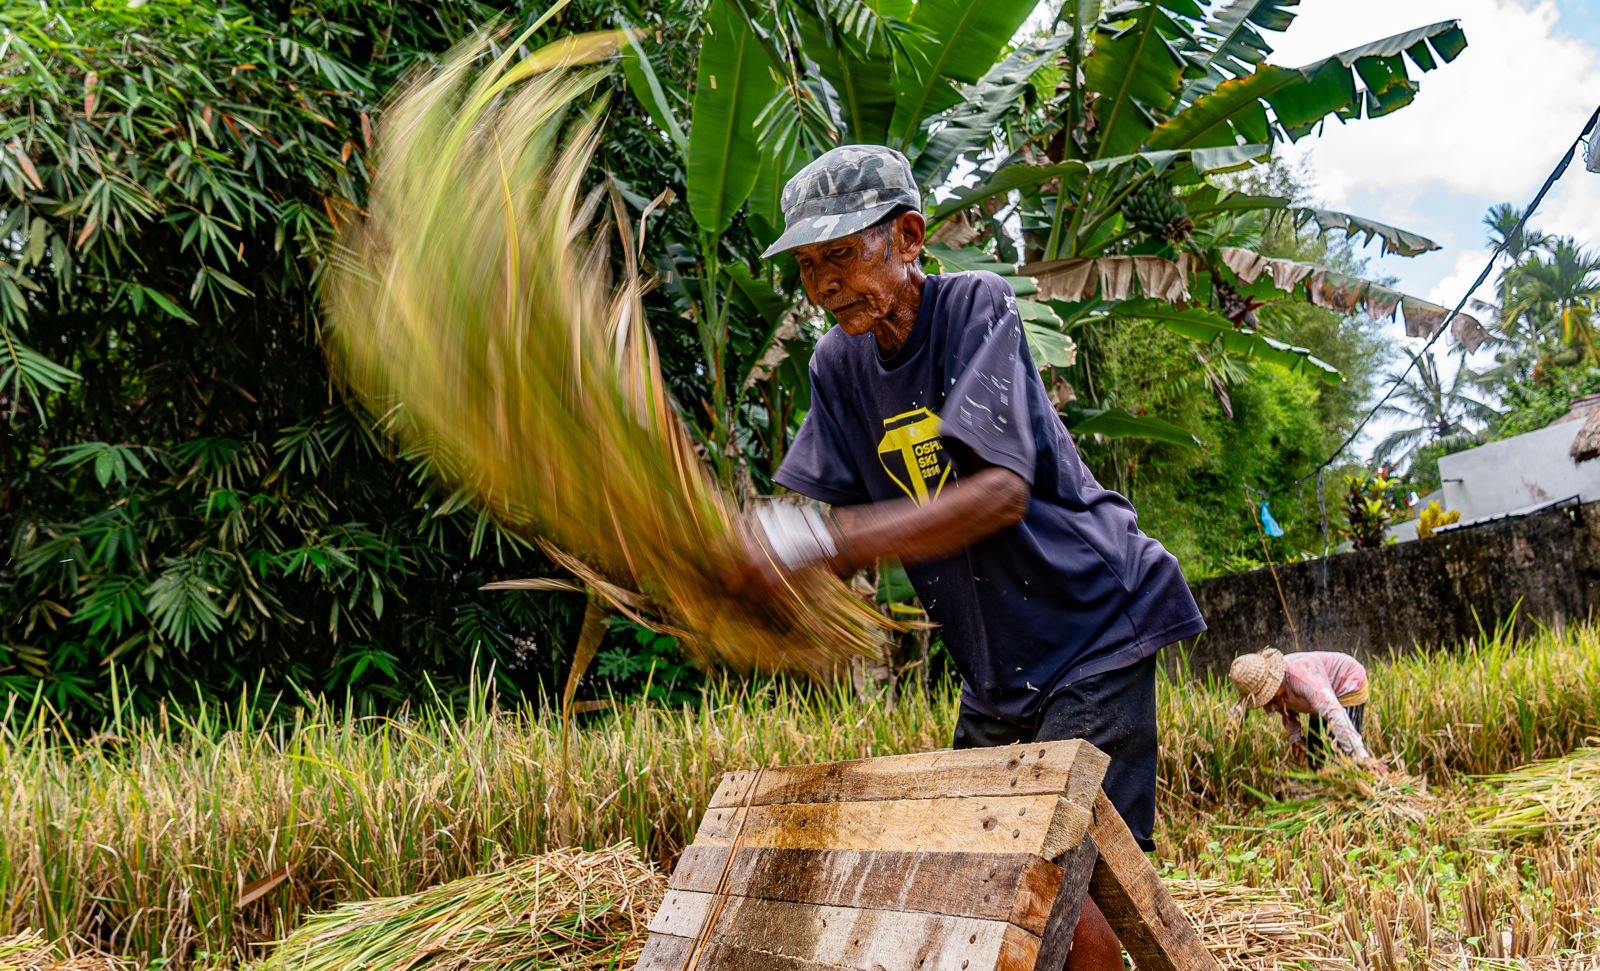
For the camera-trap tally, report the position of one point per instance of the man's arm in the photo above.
(971, 508)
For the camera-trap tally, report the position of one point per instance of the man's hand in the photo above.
(1298, 753)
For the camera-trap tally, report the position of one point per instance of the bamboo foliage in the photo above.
(473, 310)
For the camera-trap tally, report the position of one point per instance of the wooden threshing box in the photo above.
(949, 861)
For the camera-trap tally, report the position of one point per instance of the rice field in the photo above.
(195, 839)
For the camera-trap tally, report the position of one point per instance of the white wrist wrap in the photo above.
(796, 535)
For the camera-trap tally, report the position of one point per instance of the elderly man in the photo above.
(932, 439)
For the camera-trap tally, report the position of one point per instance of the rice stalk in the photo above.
(473, 309)
(568, 909)
(1560, 795)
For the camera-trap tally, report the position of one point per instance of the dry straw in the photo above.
(473, 310)
(1559, 795)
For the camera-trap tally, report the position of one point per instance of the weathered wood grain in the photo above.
(663, 952)
(1055, 940)
(846, 936)
(1044, 825)
(1151, 926)
(1071, 768)
(1015, 887)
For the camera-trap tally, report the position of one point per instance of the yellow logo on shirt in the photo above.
(913, 455)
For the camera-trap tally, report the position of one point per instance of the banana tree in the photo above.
(1114, 191)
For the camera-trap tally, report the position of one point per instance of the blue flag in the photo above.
(1268, 523)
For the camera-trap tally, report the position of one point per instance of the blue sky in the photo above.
(1484, 129)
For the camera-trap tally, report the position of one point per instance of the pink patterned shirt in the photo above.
(1313, 684)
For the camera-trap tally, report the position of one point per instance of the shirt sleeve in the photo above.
(986, 408)
(1344, 733)
(819, 463)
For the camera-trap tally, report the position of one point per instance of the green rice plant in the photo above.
(473, 312)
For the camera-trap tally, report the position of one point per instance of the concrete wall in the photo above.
(1433, 593)
(1513, 474)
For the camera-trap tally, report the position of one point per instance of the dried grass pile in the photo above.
(569, 909)
(29, 951)
(1553, 796)
(1256, 928)
(473, 309)
(1344, 790)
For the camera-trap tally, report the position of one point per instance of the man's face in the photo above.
(861, 278)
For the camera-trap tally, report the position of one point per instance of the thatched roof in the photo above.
(1586, 445)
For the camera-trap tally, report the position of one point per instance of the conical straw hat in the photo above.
(1257, 676)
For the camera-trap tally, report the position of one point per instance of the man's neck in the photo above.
(892, 331)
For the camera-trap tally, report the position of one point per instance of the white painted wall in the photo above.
(1518, 473)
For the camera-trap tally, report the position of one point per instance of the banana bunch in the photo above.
(1154, 210)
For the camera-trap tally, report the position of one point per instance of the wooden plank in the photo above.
(1071, 768)
(847, 936)
(666, 953)
(1055, 940)
(1151, 926)
(1043, 825)
(1014, 887)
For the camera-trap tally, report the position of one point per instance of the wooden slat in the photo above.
(1044, 825)
(848, 937)
(663, 952)
(1015, 887)
(1055, 940)
(1151, 926)
(1071, 768)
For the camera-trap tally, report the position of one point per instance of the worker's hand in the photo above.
(1375, 766)
(754, 577)
(1298, 753)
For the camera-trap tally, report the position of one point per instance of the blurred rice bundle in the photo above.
(473, 311)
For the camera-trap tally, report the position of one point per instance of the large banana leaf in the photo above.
(732, 86)
(862, 75)
(1136, 73)
(1230, 44)
(1207, 327)
(970, 125)
(1117, 423)
(953, 40)
(1022, 175)
(1372, 78)
(644, 84)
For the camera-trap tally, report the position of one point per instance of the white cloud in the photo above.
(1490, 124)
(1468, 264)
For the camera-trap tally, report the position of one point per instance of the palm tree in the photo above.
(1436, 410)
(1555, 297)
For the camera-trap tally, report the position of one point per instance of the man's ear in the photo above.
(910, 233)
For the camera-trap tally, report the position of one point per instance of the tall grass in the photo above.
(139, 839)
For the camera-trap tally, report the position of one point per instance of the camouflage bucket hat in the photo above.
(843, 192)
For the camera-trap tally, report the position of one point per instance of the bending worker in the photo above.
(932, 438)
(1327, 687)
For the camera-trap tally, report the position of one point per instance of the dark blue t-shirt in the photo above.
(1073, 590)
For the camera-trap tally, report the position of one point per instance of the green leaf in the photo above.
(954, 40)
(1019, 175)
(863, 77)
(971, 259)
(1048, 345)
(1117, 423)
(644, 84)
(1136, 73)
(1207, 327)
(1230, 43)
(732, 86)
(970, 125)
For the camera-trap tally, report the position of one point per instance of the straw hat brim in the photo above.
(1263, 694)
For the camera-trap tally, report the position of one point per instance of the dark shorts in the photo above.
(1114, 711)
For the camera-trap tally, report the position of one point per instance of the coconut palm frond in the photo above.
(474, 307)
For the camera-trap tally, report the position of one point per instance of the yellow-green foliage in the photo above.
(1433, 516)
(472, 310)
